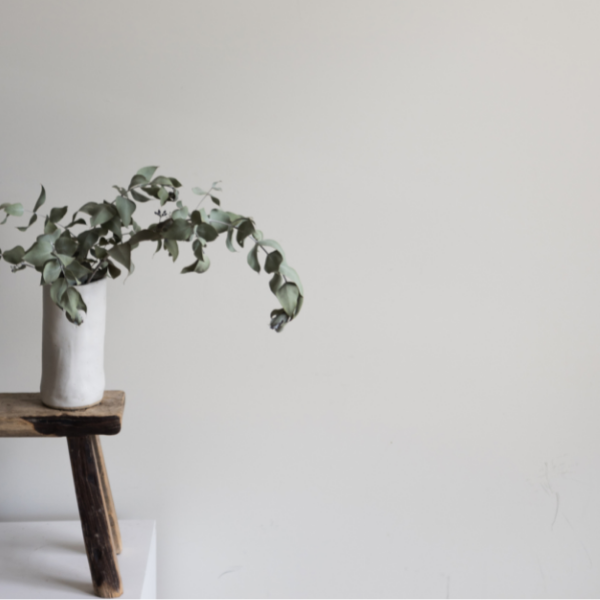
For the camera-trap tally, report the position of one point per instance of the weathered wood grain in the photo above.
(94, 521)
(109, 504)
(24, 415)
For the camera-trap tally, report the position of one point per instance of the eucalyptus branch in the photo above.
(112, 234)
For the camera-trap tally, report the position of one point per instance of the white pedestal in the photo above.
(47, 560)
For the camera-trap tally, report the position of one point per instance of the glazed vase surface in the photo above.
(73, 356)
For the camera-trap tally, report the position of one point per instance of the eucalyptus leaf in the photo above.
(76, 222)
(31, 222)
(273, 244)
(199, 266)
(275, 282)
(172, 248)
(291, 275)
(14, 210)
(99, 253)
(64, 259)
(74, 305)
(272, 262)
(40, 200)
(220, 220)
(89, 208)
(299, 305)
(244, 230)
(196, 217)
(139, 197)
(229, 240)
(198, 249)
(202, 265)
(77, 271)
(160, 180)
(114, 225)
(57, 290)
(253, 259)
(56, 214)
(147, 172)
(113, 270)
(216, 200)
(126, 208)
(87, 239)
(122, 254)
(180, 213)
(137, 180)
(51, 271)
(102, 215)
(14, 256)
(50, 237)
(288, 295)
(39, 253)
(207, 232)
(66, 245)
(178, 230)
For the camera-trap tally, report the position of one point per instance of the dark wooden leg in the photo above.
(108, 499)
(94, 521)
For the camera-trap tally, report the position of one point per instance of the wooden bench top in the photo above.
(24, 415)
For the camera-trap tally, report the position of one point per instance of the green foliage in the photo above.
(67, 259)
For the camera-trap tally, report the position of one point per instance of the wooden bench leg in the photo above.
(94, 520)
(108, 498)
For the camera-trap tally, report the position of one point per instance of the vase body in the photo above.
(73, 356)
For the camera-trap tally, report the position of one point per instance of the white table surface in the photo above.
(47, 559)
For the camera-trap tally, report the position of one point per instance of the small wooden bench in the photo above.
(24, 415)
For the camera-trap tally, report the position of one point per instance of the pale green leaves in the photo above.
(52, 271)
(179, 229)
(172, 248)
(39, 253)
(66, 244)
(253, 259)
(147, 172)
(103, 214)
(14, 256)
(126, 208)
(288, 295)
(66, 260)
(69, 299)
(41, 199)
(56, 214)
(122, 254)
(73, 304)
(291, 275)
(245, 228)
(12, 210)
(273, 261)
(32, 220)
(200, 266)
(275, 282)
(181, 213)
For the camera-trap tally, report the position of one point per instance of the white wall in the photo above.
(429, 425)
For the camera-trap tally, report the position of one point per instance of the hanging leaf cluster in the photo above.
(100, 237)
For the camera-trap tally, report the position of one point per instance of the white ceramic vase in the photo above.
(73, 356)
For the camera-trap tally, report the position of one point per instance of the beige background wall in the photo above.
(429, 425)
